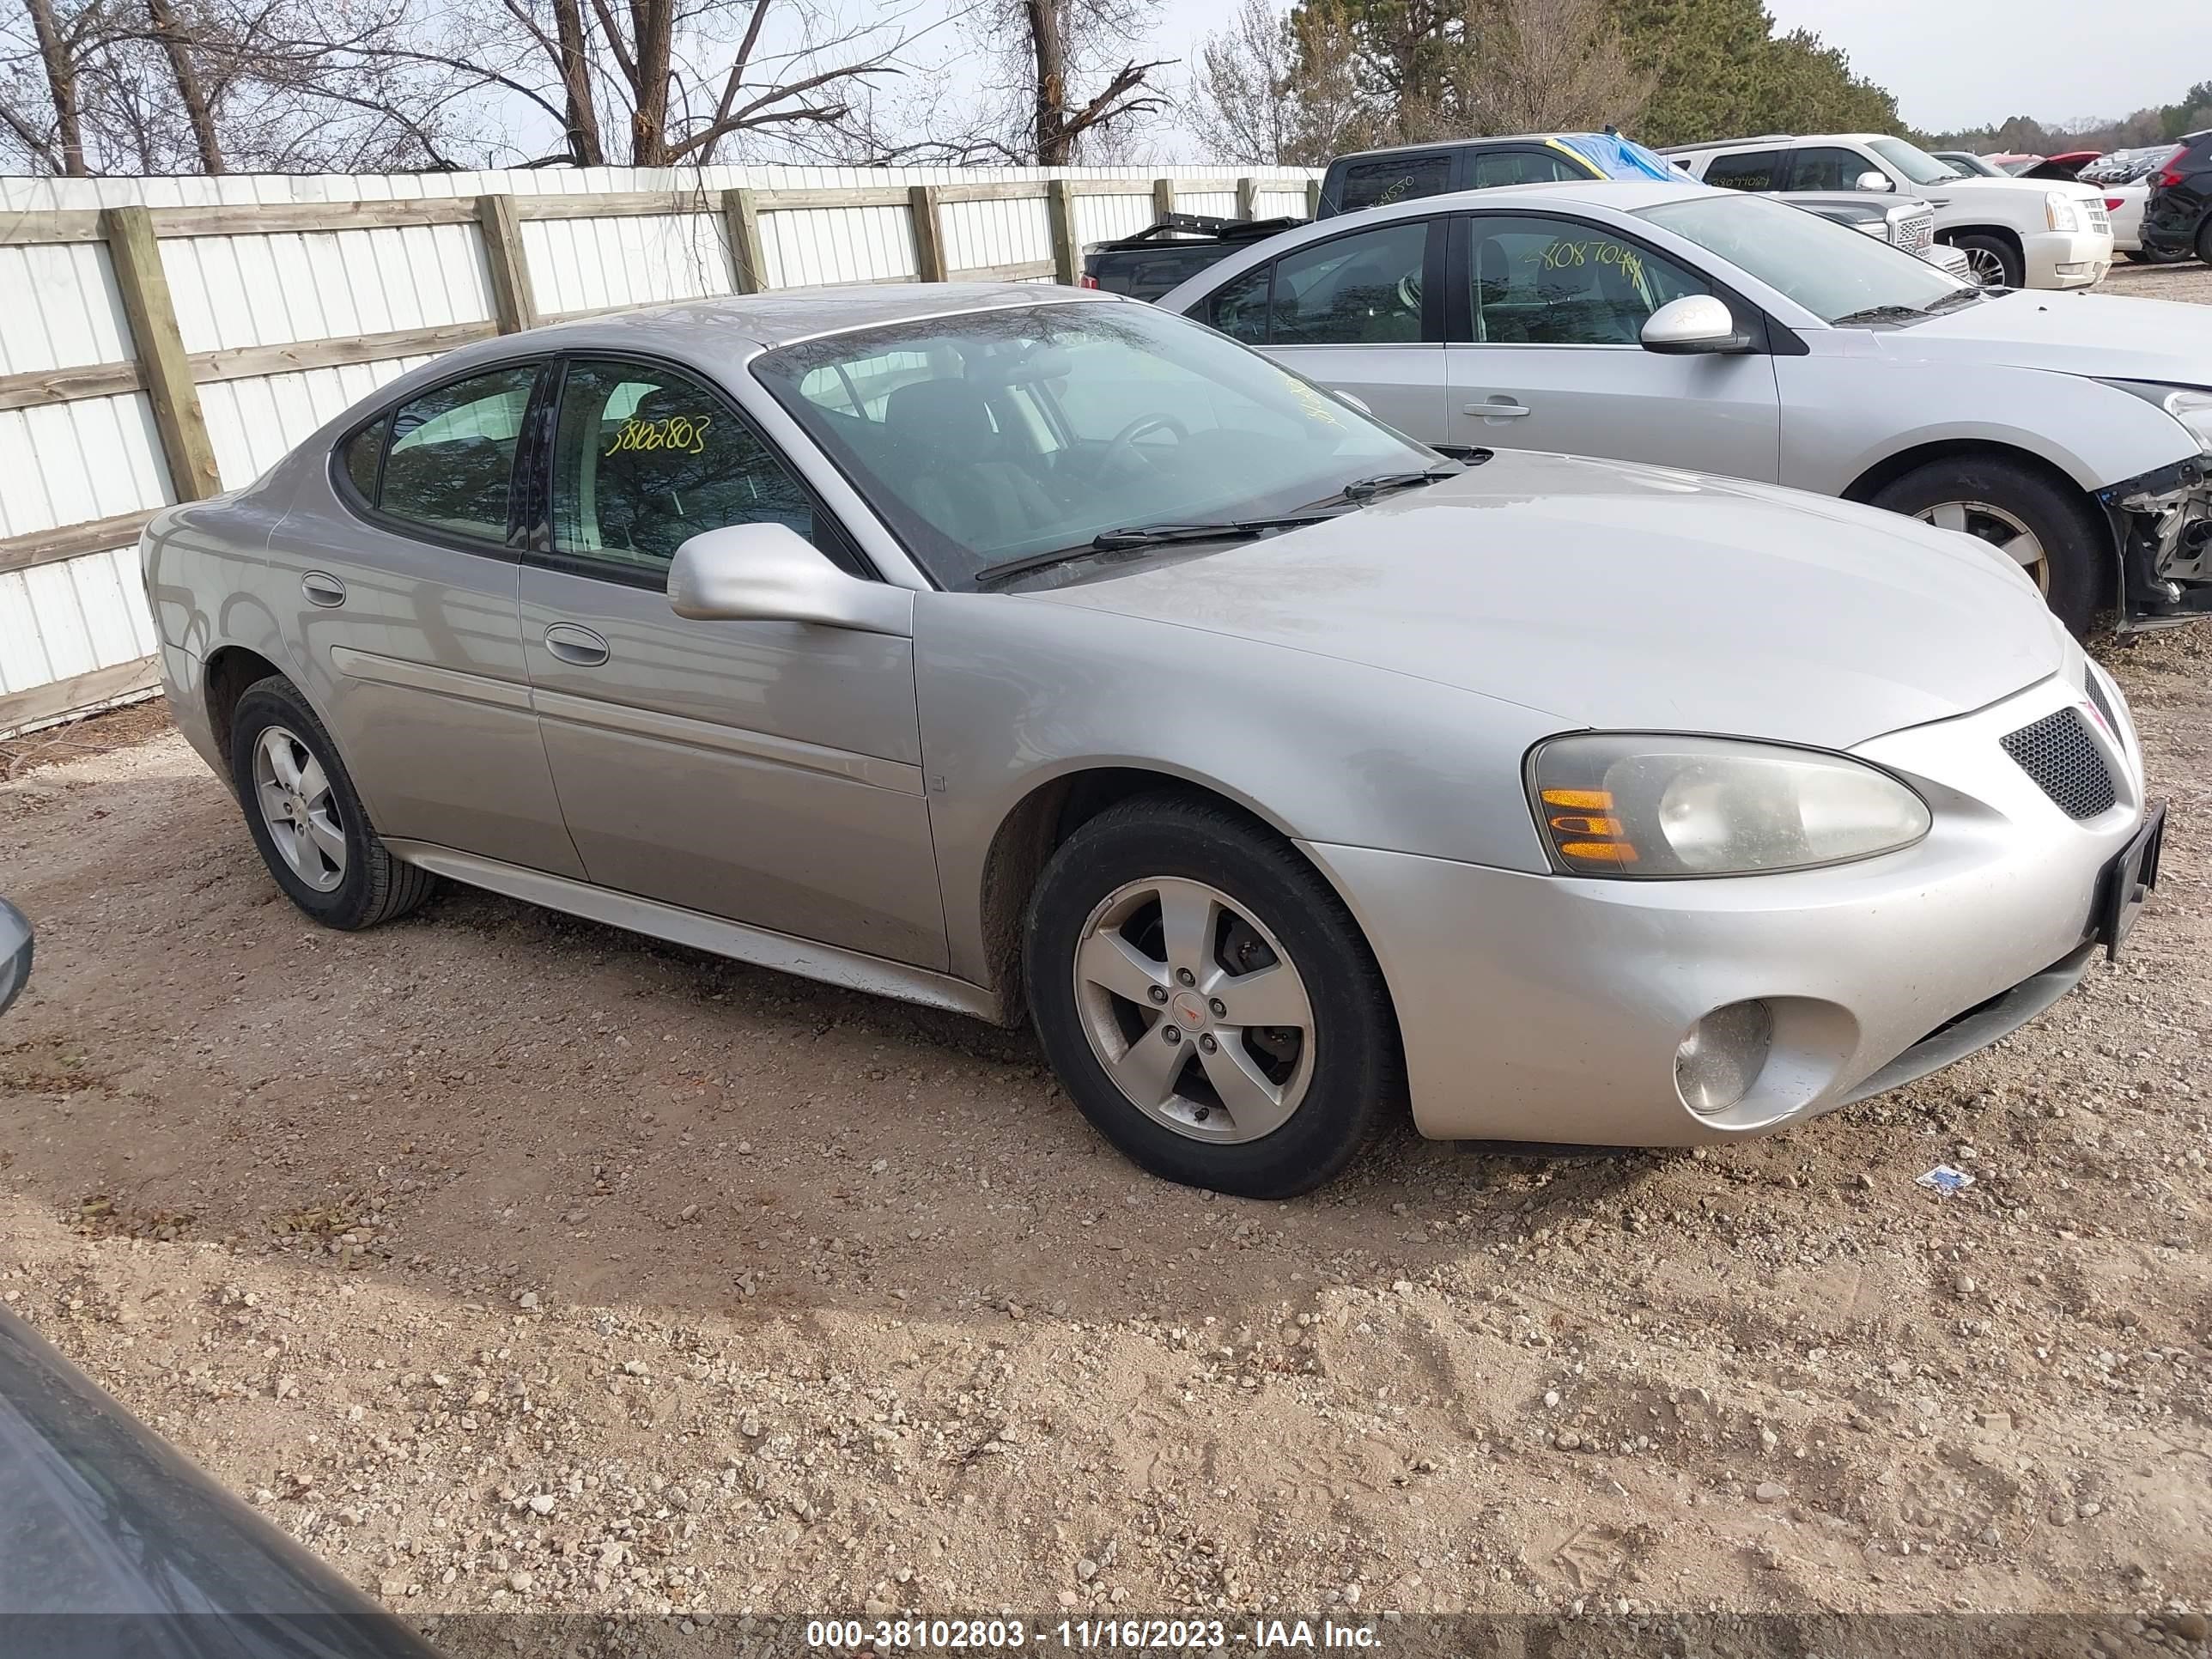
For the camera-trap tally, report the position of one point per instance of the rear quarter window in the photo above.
(1387, 179)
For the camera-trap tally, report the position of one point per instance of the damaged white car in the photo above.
(1728, 333)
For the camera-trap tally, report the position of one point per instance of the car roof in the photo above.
(1621, 194)
(1485, 142)
(784, 316)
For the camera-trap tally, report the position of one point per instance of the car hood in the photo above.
(1628, 597)
(2096, 334)
(2022, 186)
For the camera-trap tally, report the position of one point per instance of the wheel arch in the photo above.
(2004, 233)
(1883, 473)
(230, 672)
(1051, 811)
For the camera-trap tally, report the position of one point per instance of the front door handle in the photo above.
(578, 646)
(1501, 407)
(322, 588)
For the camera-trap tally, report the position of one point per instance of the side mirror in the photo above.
(1694, 324)
(1872, 180)
(14, 953)
(770, 573)
(1359, 404)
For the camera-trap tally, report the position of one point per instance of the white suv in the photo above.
(2015, 233)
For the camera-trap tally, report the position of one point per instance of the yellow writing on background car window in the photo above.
(685, 433)
(1562, 254)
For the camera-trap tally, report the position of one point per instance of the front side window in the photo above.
(1751, 169)
(1388, 178)
(1563, 282)
(1832, 272)
(1361, 290)
(1038, 428)
(1495, 167)
(452, 454)
(645, 458)
(1826, 167)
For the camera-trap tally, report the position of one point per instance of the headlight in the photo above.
(2191, 405)
(1644, 804)
(2060, 209)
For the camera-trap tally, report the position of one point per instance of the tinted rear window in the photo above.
(1751, 169)
(1388, 178)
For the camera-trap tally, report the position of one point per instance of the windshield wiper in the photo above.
(1149, 535)
(1360, 489)
(1964, 296)
(1882, 314)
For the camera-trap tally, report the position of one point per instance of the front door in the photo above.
(398, 589)
(1351, 313)
(768, 772)
(1547, 318)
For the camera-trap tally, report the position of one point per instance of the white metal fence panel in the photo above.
(279, 289)
(979, 235)
(60, 307)
(806, 246)
(255, 422)
(1103, 218)
(66, 462)
(1280, 204)
(600, 265)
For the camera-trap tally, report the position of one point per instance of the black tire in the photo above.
(2155, 256)
(2204, 242)
(2078, 544)
(374, 887)
(1355, 1068)
(1979, 247)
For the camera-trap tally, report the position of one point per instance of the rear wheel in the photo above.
(2049, 530)
(2147, 255)
(307, 819)
(1990, 260)
(2204, 242)
(1207, 1000)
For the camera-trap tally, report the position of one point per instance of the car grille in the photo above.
(2063, 759)
(1916, 230)
(2099, 219)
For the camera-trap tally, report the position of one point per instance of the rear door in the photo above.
(1546, 317)
(1357, 312)
(767, 772)
(396, 586)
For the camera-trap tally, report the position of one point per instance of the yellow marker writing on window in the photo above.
(684, 433)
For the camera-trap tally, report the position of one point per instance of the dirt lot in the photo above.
(514, 1262)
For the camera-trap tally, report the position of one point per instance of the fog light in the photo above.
(1721, 1058)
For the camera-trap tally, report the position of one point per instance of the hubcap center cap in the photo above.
(1188, 1008)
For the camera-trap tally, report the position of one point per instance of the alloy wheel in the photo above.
(1984, 267)
(1194, 1010)
(297, 809)
(2004, 531)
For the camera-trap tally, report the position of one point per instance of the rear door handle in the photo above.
(1498, 408)
(578, 646)
(322, 588)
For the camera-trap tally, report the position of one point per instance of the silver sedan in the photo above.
(1043, 655)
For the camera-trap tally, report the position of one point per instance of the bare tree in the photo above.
(176, 41)
(1539, 65)
(1241, 103)
(59, 143)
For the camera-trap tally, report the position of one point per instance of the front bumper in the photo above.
(2060, 258)
(1549, 1008)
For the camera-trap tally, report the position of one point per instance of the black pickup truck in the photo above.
(1180, 245)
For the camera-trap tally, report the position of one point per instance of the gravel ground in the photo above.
(513, 1262)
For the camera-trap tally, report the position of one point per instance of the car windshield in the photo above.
(995, 437)
(1914, 162)
(1833, 272)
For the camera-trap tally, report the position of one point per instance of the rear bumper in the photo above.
(1550, 1008)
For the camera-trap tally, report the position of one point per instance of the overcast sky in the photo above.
(1958, 65)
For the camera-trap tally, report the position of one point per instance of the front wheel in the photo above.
(2046, 528)
(1207, 1000)
(1991, 261)
(2147, 255)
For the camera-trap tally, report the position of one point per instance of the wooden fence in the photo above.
(156, 347)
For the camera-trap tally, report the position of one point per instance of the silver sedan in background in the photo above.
(1045, 656)
(1732, 333)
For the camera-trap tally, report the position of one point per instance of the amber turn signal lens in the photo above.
(1598, 852)
(1599, 800)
